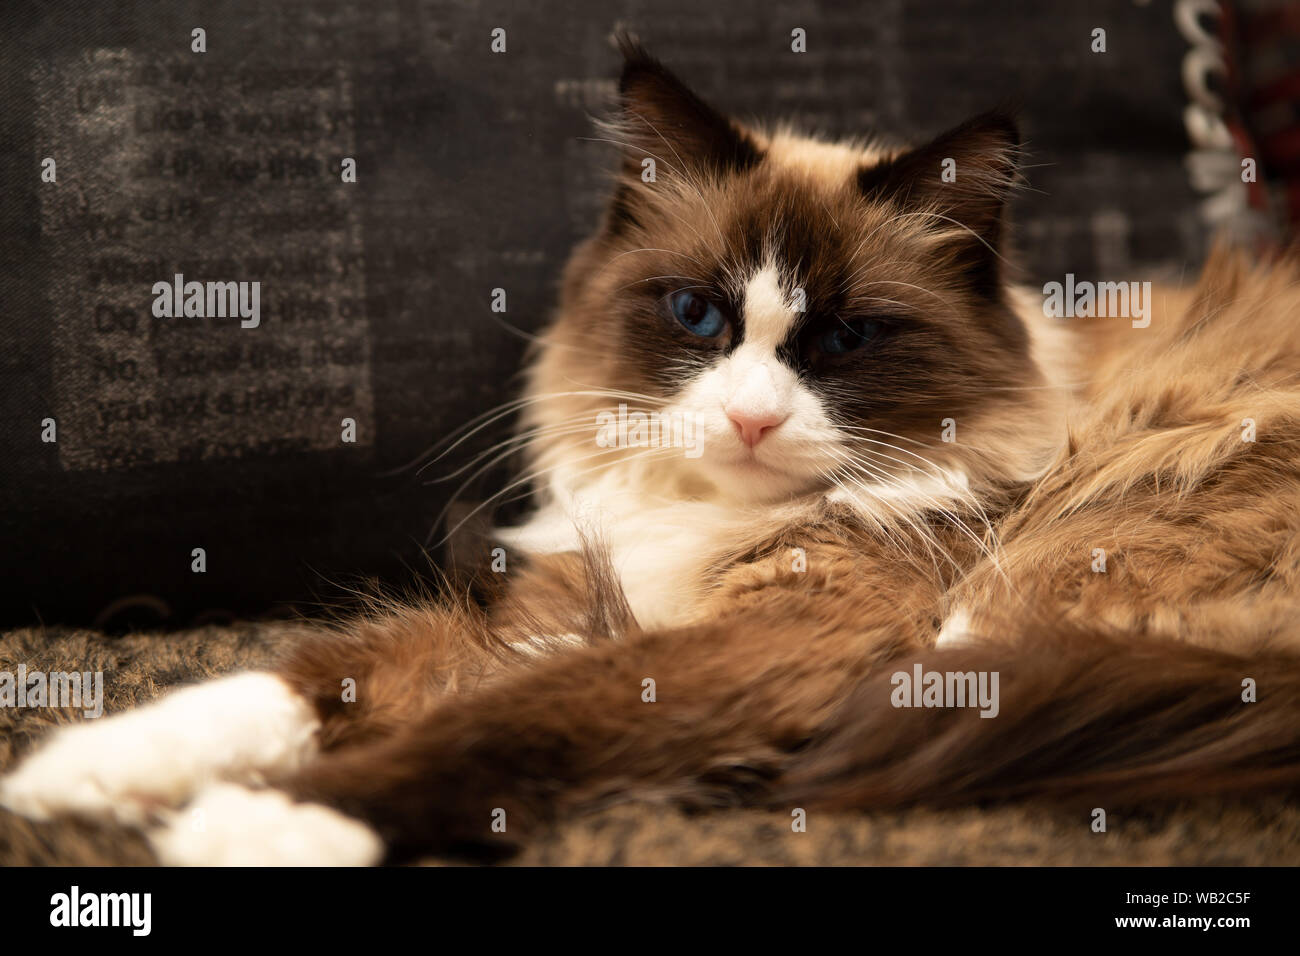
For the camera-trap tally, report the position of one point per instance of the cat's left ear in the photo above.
(957, 185)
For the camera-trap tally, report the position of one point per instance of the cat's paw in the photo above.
(128, 767)
(230, 825)
(99, 770)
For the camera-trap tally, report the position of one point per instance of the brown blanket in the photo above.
(139, 667)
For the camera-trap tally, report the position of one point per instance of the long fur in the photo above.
(1129, 683)
(1120, 682)
(1088, 719)
(1116, 533)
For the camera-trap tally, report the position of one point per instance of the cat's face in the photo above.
(800, 314)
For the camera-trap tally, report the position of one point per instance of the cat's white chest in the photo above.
(663, 560)
(662, 552)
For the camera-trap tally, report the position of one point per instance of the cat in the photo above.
(905, 468)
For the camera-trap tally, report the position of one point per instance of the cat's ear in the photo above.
(661, 119)
(957, 185)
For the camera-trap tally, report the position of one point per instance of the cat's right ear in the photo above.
(661, 119)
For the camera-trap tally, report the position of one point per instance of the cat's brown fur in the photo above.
(735, 698)
(783, 697)
(763, 672)
(1118, 685)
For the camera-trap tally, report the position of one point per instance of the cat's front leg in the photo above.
(333, 687)
(706, 715)
(130, 766)
(142, 768)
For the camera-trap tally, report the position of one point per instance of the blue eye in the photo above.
(698, 315)
(848, 336)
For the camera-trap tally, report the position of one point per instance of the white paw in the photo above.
(127, 767)
(229, 825)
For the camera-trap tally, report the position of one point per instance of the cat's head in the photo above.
(802, 316)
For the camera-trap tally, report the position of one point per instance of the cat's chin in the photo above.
(750, 478)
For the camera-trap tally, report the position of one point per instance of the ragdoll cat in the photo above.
(896, 466)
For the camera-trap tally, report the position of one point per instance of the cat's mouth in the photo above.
(791, 474)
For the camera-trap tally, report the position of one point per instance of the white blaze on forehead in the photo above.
(768, 314)
(828, 164)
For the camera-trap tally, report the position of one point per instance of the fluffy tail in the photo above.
(1083, 719)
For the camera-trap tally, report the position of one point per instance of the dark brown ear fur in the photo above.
(984, 152)
(662, 118)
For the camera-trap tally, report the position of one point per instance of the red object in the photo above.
(1261, 41)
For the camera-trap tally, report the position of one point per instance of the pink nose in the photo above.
(752, 426)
